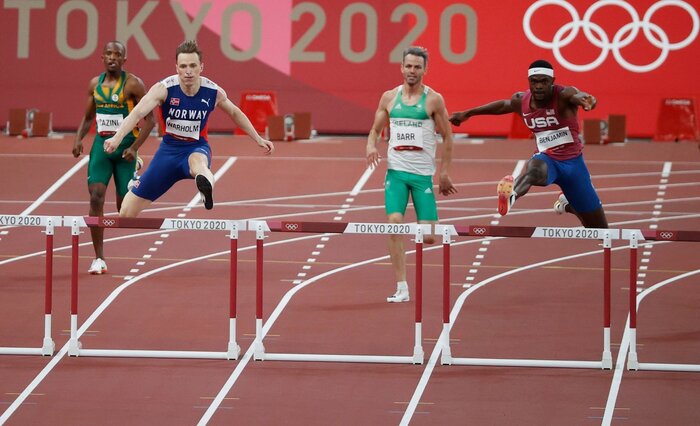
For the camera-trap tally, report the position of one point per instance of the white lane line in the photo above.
(624, 348)
(193, 202)
(420, 388)
(340, 216)
(471, 274)
(216, 402)
(323, 239)
(56, 185)
(60, 181)
(102, 307)
(363, 180)
(227, 165)
(656, 212)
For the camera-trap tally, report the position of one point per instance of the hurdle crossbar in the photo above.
(232, 226)
(634, 236)
(606, 235)
(48, 223)
(417, 230)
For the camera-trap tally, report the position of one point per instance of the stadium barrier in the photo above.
(233, 227)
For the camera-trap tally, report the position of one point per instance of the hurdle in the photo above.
(606, 235)
(232, 226)
(634, 236)
(48, 223)
(261, 227)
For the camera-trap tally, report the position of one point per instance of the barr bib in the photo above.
(405, 134)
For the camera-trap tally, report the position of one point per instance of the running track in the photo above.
(338, 285)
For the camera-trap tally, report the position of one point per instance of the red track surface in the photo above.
(551, 312)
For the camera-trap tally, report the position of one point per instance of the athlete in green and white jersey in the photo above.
(111, 96)
(414, 113)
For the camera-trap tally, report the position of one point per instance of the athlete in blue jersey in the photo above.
(186, 100)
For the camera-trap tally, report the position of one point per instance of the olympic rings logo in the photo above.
(291, 226)
(666, 235)
(623, 37)
(479, 231)
(108, 222)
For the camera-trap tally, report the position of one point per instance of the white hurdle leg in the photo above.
(233, 349)
(418, 354)
(446, 358)
(48, 345)
(632, 362)
(73, 344)
(607, 354)
(258, 348)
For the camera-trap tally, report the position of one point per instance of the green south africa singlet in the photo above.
(111, 106)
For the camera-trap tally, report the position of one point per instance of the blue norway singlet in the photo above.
(184, 118)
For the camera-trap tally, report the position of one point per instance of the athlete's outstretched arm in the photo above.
(137, 90)
(503, 106)
(153, 98)
(242, 121)
(579, 98)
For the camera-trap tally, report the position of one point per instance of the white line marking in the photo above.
(363, 180)
(227, 165)
(100, 309)
(624, 349)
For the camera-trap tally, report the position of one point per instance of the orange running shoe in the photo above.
(505, 195)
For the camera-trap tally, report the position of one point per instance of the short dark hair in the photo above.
(188, 46)
(416, 51)
(541, 63)
(117, 42)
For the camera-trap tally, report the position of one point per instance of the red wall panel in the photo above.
(334, 58)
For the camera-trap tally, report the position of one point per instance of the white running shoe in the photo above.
(398, 297)
(98, 267)
(560, 204)
(134, 181)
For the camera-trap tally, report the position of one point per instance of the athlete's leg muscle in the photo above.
(536, 174)
(133, 205)
(396, 249)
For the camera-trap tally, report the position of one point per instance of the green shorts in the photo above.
(397, 187)
(102, 165)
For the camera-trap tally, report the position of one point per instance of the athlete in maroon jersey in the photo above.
(549, 110)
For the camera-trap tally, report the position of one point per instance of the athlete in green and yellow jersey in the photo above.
(111, 96)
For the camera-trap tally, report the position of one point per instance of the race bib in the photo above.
(183, 128)
(108, 123)
(406, 134)
(552, 138)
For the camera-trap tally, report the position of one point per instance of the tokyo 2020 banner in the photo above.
(334, 58)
